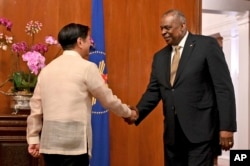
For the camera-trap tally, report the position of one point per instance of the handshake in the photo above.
(134, 115)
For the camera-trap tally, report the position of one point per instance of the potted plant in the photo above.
(33, 54)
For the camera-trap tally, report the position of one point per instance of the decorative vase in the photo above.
(23, 87)
(20, 103)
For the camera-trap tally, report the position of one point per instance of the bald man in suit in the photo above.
(199, 105)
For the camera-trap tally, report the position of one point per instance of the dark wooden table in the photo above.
(13, 144)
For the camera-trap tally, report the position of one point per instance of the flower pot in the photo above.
(20, 103)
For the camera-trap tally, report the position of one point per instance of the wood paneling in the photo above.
(53, 15)
(132, 36)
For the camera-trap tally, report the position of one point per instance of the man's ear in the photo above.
(80, 42)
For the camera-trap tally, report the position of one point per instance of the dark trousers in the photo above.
(185, 153)
(66, 160)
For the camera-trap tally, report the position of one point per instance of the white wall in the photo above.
(230, 18)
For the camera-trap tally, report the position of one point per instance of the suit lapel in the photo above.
(186, 54)
(168, 66)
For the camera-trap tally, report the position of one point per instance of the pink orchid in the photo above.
(35, 61)
(50, 40)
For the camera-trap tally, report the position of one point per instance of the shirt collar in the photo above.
(71, 53)
(183, 40)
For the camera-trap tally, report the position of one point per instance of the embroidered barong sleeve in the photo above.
(34, 121)
(104, 95)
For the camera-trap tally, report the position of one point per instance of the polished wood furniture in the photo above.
(13, 145)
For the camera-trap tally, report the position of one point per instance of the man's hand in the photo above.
(33, 150)
(226, 140)
(134, 115)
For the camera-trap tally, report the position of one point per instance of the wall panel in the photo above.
(53, 14)
(133, 36)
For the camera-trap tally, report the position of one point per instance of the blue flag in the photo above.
(100, 116)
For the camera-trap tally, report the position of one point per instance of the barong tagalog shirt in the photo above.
(60, 118)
